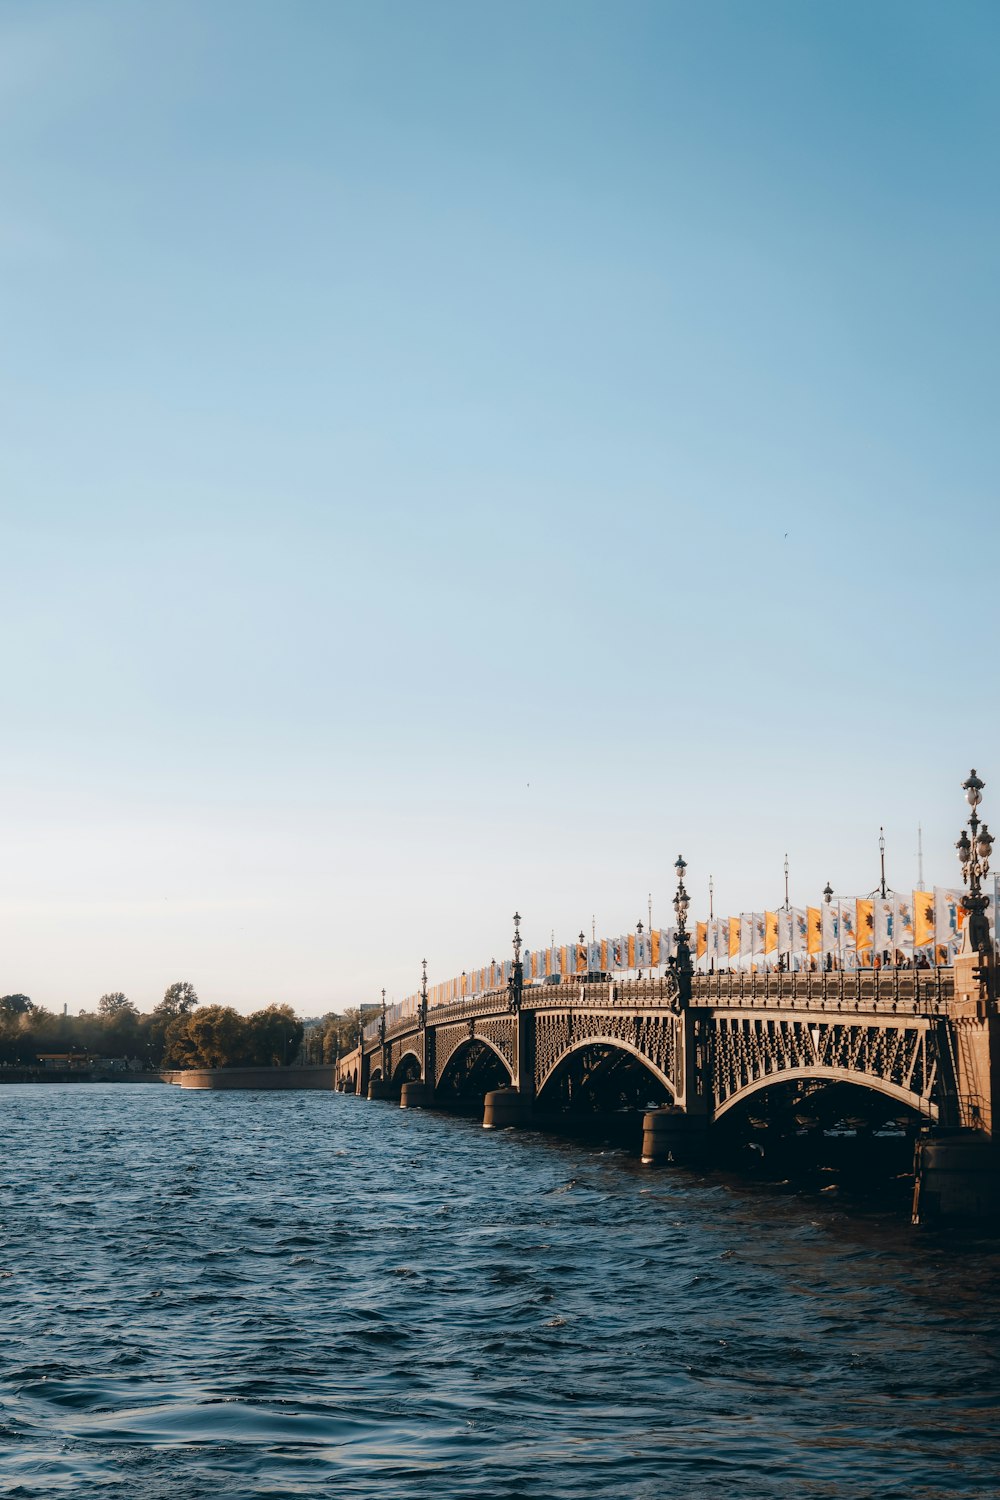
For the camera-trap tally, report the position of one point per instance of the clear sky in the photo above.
(453, 457)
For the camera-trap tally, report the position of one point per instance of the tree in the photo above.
(178, 999)
(116, 1006)
(14, 1005)
(216, 1036)
(274, 1036)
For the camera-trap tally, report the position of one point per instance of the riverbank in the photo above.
(306, 1077)
(77, 1075)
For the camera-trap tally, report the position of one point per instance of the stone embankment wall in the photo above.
(252, 1078)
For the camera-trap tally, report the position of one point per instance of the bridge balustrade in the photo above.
(900, 991)
(904, 991)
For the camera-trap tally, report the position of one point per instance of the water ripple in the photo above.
(306, 1295)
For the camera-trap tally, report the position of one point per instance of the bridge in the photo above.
(691, 1048)
(686, 1050)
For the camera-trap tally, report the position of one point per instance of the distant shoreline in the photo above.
(12, 1076)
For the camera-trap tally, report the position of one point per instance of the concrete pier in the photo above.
(505, 1107)
(956, 1177)
(380, 1088)
(415, 1095)
(671, 1135)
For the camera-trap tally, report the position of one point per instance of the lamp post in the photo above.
(711, 919)
(516, 986)
(381, 1034)
(638, 947)
(974, 857)
(683, 960)
(582, 940)
(423, 996)
(881, 855)
(828, 898)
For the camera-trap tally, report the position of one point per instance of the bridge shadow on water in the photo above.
(840, 1144)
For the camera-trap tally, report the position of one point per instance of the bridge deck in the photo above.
(907, 992)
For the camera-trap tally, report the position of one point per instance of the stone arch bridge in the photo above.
(703, 1044)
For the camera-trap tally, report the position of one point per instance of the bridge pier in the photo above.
(504, 1107)
(956, 1177)
(382, 1088)
(673, 1135)
(415, 1095)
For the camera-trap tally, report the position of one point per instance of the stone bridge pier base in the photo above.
(382, 1088)
(957, 1171)
(673, 1135)
(503, 1107)
(415, 1095)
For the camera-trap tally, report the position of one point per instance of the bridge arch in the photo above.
(473, 1068)
(612, 1046)
(409, 1068)
(450, 1063)
(818, 1073)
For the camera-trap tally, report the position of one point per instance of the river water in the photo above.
(310, 1295)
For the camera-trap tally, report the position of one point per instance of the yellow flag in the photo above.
(865, 925)
(563, 963)
(923, 918)
(631, 950)
(701, 930)
(770, 931)
(814, 930)
(734, 937)
(604, 954)
(654, 948)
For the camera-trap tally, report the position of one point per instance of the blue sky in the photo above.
(453, 457)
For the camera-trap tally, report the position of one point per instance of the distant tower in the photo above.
(920, 858)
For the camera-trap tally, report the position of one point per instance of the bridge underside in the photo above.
(595, 1076)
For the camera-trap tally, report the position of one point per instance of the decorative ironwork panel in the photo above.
(747, 1049)
(653, 1037)
(499, 1031)
(399, 1047)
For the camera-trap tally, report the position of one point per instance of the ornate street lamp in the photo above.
(381, 1034)
(683, 961)
(638, 945)
(423, 996)
(974, 857)
(516, 985)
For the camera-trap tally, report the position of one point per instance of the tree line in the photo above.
(177, 1033)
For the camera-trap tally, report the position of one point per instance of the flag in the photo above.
(784, 931)
(814, 930)
(770, 931)
(594, 958)
(902, 924)
(654, 948)
(848, 929)
(605, 958)
(630, 950)
(580, 953)
(949, 917)
(734, 937)
(617, 955)
(831, 929)
(564, 961)
(642, 951)
(865, 918)
(746, 935)
(923, 918)
(885, 926)
(759, 933)
(701, 939)
(667, 944)
(800, 930)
